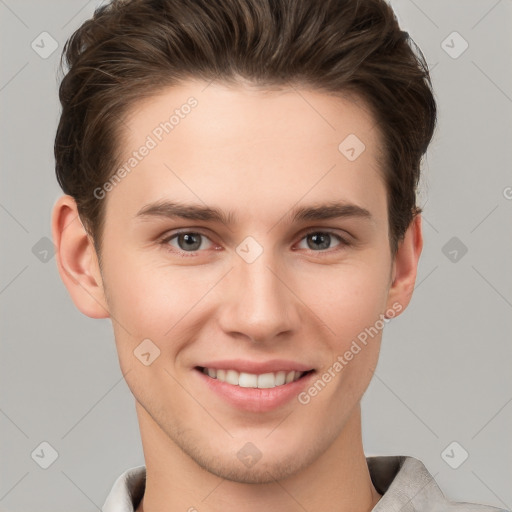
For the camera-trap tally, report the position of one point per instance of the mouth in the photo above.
(253, 392)
(267, 380)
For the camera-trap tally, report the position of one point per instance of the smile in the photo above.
(251, 380)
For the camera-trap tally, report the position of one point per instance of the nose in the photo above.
(258, 301)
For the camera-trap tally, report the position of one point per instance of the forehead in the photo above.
(249, 149)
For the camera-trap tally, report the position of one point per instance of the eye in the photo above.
(193, 242)
(321, 240)
(186, 241)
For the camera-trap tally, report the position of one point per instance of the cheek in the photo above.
(156, 302)
(150, 297)
(348, 298)
(351, 304)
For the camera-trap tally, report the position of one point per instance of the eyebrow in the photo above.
(172, 210)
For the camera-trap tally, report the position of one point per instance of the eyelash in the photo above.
(165, 242)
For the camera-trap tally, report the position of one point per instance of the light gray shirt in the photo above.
(403, 481)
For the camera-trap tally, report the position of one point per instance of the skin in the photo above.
(259, 154)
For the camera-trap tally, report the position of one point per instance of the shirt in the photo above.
(404, 482)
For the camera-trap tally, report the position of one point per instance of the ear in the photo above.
(405, 266)
(77, 261)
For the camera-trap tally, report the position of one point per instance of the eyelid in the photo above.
(343, 235)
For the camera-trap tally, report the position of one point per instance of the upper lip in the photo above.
(255, 367)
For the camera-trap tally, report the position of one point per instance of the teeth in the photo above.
(232, 377)
(250, 380)
(266, 380)
(280, 378)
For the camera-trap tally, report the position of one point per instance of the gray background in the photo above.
(444, 373)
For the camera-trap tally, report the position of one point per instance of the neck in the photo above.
(337, 480)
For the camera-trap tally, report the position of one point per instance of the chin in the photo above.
(262, 472)
(242, 462)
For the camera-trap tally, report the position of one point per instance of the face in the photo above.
(244, 241)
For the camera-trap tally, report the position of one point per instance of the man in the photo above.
(240, 182)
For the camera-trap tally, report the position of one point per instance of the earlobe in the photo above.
(77, 261)
(405, 266)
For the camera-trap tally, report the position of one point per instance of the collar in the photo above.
(403, 481)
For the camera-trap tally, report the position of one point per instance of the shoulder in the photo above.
(406, 485)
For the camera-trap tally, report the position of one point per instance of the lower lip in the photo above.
(255, 399)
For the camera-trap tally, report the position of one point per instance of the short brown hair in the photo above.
(132, 49)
